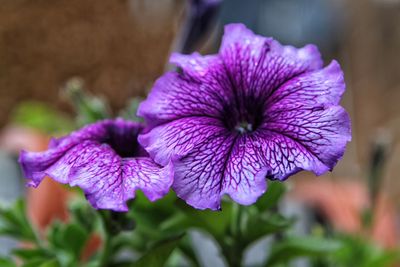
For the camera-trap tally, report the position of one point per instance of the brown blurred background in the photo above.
(119, 47)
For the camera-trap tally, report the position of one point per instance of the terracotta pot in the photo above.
(343, 203)
(48, 200)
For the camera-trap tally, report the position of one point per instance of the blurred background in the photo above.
(118, 48)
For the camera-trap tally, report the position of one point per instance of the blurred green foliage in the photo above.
(155, 234)
(89, 108)
(42, 117)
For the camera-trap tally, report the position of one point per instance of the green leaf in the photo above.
(159, 254)
(74, 239)
(41, 116)
(166, 205)
(129, 112)
(151, 215)
(55, 235)
(357, 251)
(187, 250)
(214, 222)
(34, 263)
(14, 223)
(271, 198)
(386, 258)
(6, 262)
(88, 107)
(42, 263)
(96, 264)
(83, 214)
(29, 254)
(260, 225)
(50, 263)
(295, 247)
(68, 240)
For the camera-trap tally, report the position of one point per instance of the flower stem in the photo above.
(106, 251)
(233, 249)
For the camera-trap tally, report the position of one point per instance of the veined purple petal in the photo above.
(200, 174)
(105, 161)
(256, 110)
(244, 180)
(195, 65)
(222, 164)
(320, 135)
(320, 87)
(192, 93)
(178, 137)
(257, 65)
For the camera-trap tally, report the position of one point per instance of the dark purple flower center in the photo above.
(123, 140)
(245, 117)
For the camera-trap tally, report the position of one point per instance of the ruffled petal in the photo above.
(257, 65)
(34, 163)
(222, 164)
(304, 138)
(199, 176)
(144, 174)
(200, 90)
(179, 137)
(107, 180)
(245, 174)
(195, 65)
(121, 133)
(281, 156)
(321, 87)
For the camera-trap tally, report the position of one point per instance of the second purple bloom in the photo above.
(105, 160)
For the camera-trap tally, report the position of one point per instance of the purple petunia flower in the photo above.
(256, 110)
(105, 160)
